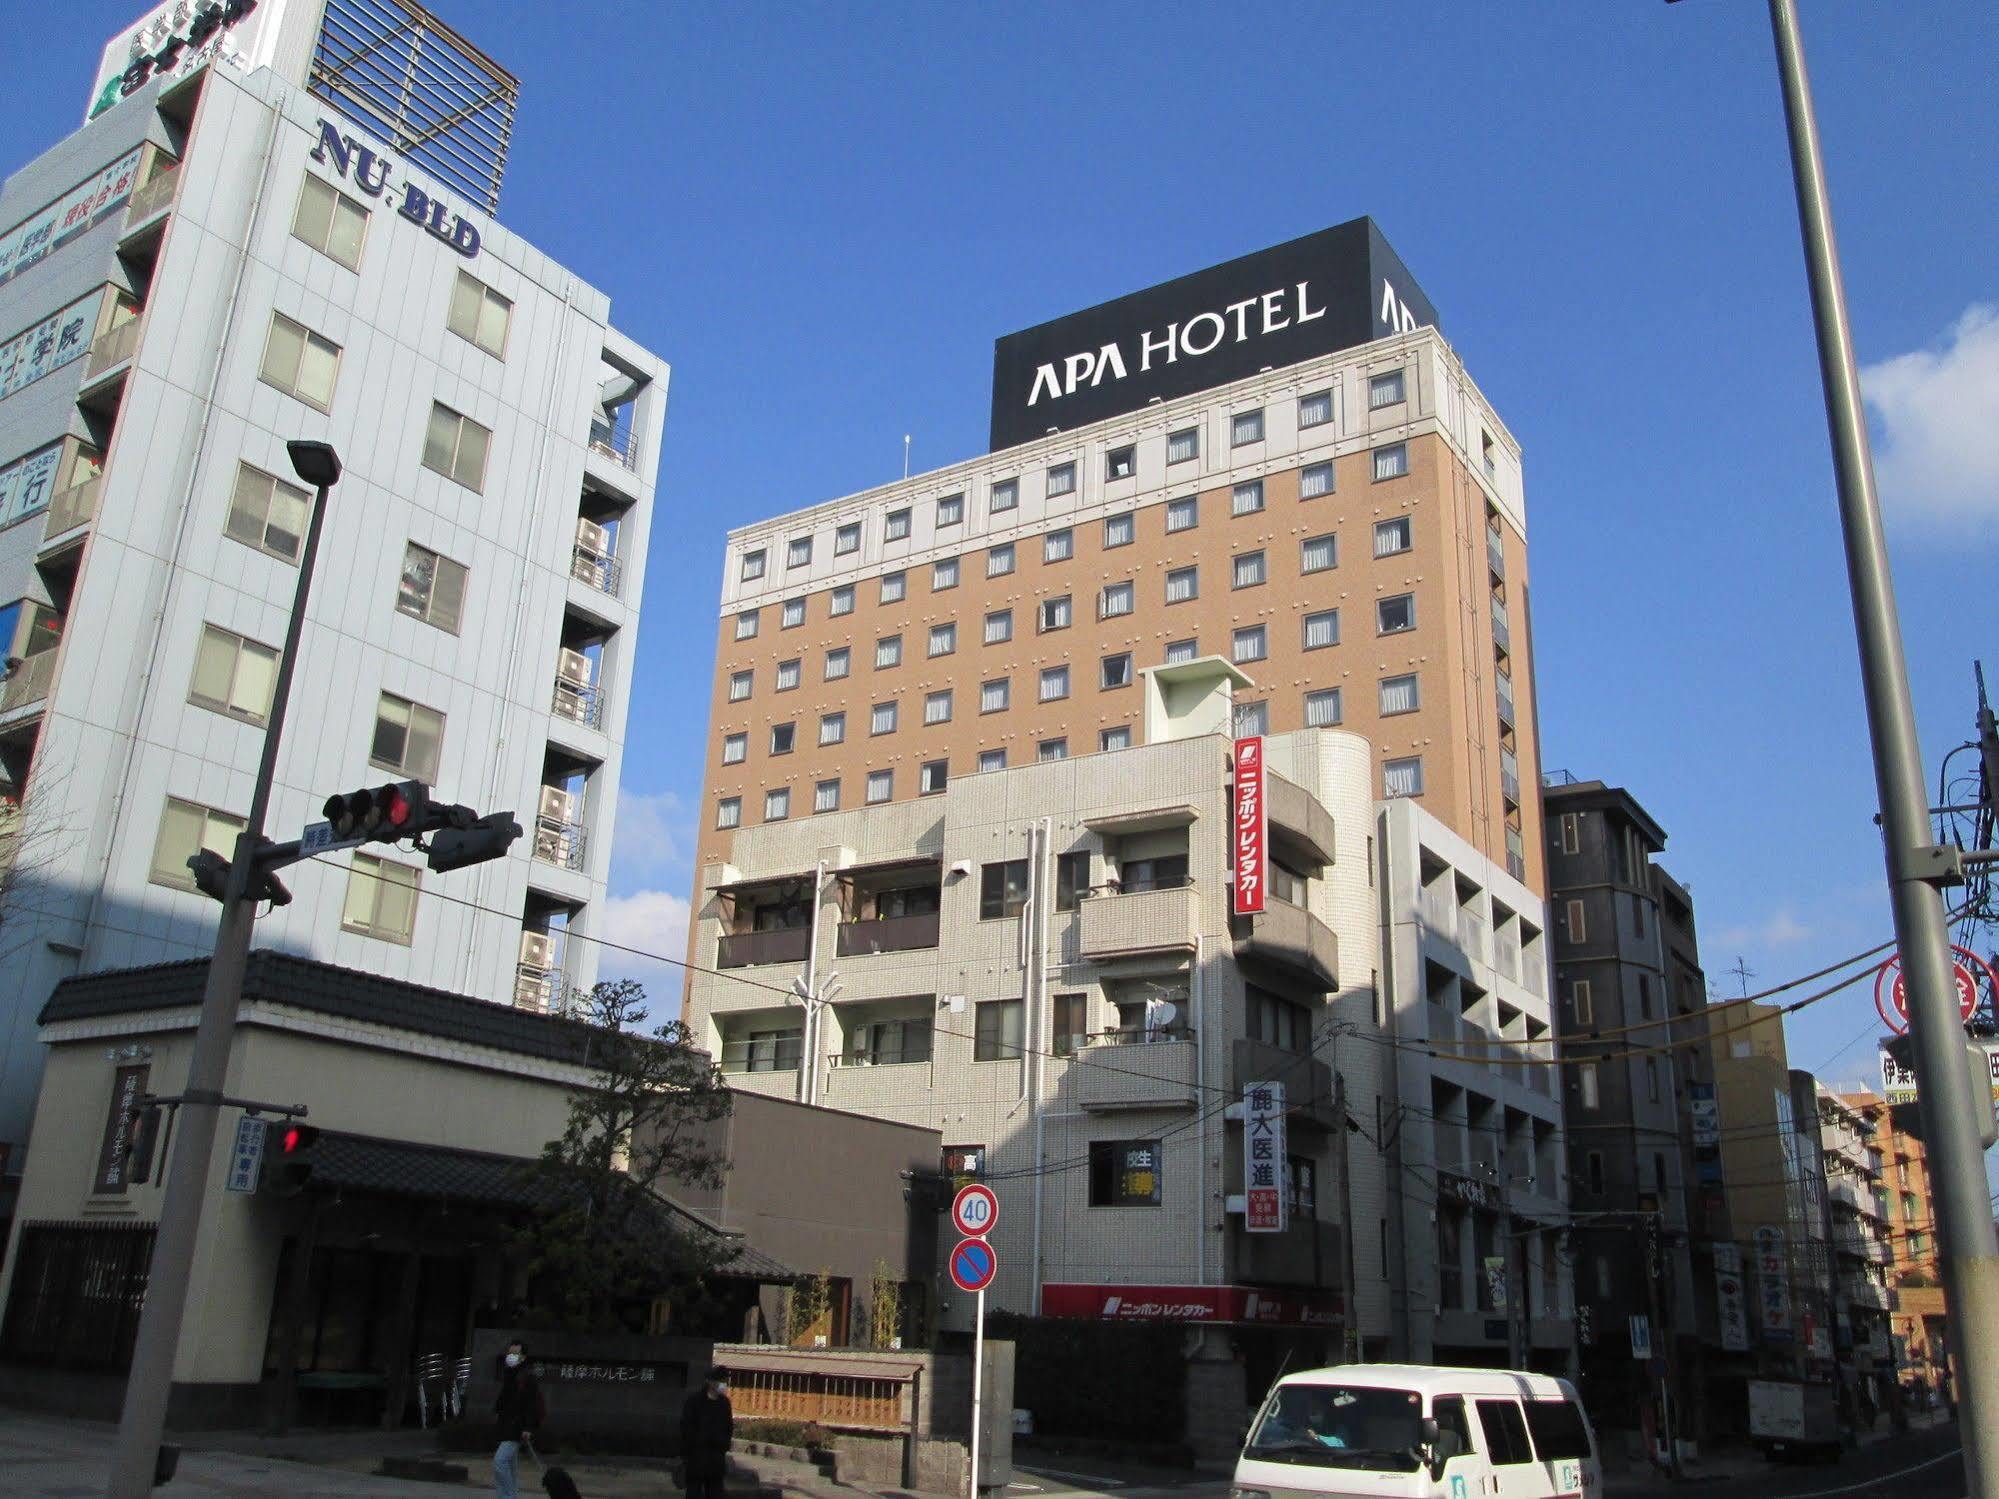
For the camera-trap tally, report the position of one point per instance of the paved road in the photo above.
(1926, 1463)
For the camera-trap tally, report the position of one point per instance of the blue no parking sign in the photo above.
(973, 1265)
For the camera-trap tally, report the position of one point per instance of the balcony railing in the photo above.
(1495, 554)
(620, 446)
(579, 702)
(605, 574)
(114, 347)
(1502, 634)
(559, 843)
(73, 507)
(1148, 919)
(30, 683)
(751, 949)
(779, 1053)
(1110, 1075)
(155, 195)
(889, 934)
(1504, 686)
(538, 988)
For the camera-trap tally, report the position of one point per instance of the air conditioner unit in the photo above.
(574, 667)
(557, 805)
(537, 951)
(548, 844)
(592, 537)
(570, 704)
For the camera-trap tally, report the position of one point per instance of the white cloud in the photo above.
(652, 921)
(654, 835)
(1782, 929)
(1937, 421)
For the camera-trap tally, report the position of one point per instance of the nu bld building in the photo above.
(233, 251)
(970, 852)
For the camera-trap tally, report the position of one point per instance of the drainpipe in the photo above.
(1194, 1008)
(808, 1072)
(1040, 840)
(1029, 953)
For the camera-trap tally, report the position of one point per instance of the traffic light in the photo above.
(472, 842)
(289, 1167)
(142, 1139)
(211, 877)
(381, 815)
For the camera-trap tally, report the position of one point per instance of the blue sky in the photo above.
(823, 215)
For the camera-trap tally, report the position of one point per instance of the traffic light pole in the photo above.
(143, 1420)
(1970, 1245)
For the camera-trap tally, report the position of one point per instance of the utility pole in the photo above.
(1350, 1329)
(1915, 866)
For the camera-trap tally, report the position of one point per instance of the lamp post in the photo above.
(143, 1420)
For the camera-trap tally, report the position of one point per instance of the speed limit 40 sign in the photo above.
(974, 1210)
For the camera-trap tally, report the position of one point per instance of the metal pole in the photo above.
(978, 1384)
(1970, 1245)
(1350, 1322)
(143, 1420)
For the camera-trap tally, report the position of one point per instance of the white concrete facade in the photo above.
(136, 565)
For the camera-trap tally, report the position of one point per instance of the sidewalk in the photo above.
(1737, 1460)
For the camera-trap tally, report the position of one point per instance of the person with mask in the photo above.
(517, 1411)
(707, 1429)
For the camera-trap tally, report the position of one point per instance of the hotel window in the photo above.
(1121, 463)
(787, 674)
(1249, 570)
(1055, 613)
(1250, 644)
(1183, 445)
(185, 830)
(888, 652)
(1246, 427)
(1577, 921)
(937, 707)
(896, 526)
(1054, 683)
(330, 221)
(777, 804)
(233, 675)
(999, 561)
(882, 720)
(839, 661)
(1322, 629)
(1118, 531)
(753, 565)
(1391, 462)
(1117, 670)
(1571, 832)
(266, 513)
(1318, 553)
(1181, 650)
(735, 748)
(1052, 749)
(932, 776)
(895, 587)
(995, 696)
(1058, 546)
(943, 639)
(1395, 614)
(944, 575)
(1002, 889)
(1182, 584)
(793, 614)
(999, 627)
(1652, 1082)
(456, 446)
(301, 363)
(381, 899)
(1384, 390)
(950, 510)
(740, 683)
(1399, 695)
(847, 539)
(1115, 739)
(833, 728)
(1005, 495)
(1402, 777)
(407, 738)
(1124, 1173)
(841, 601)
(996, 1030)
(1246, 499)
(746, 625)
(1116, 600)
(1579, 1002)
(1182, 515)
(881, 785)
(729, 812)
(799, 552)
(1586, 1085)
(782, 737)
(479, 314)
(826, 796)
(1322, 708)
(1316, 409)
(1314, 480)
(1392, 536)
(1061, 480)
(992, 760)
(1251, 719)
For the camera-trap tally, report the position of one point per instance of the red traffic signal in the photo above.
(296, 1138)
(381, 815)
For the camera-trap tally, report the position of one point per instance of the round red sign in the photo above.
(1891, 998)
(975, 1210)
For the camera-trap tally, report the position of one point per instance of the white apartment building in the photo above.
(229, 256)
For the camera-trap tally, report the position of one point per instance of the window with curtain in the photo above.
(479, 314)
(937, 707)
(826, 797)
(1396, 614)
(996, 1030)
(931, 777)
(1246, 499)
(999, 626)
(1251, 644)
(753, 565)
(1182, 584)
(1392, 536)
(1052, 749)
(944, 575)
(1115, 739)
(833, 728)
(799, 552)
(995, 696)
(888, 652)
(1384, 390)
(943, 639)
(895, 526)
(950, 510)
(1314, 480)
(1322, 629)
(1317, 553)
(777, 804)
(740, 683)
(1055, 613)
(881, 785)
(1117, 599)
(882, 720)
(1251, 719)
(746, 625)
(895, 587)
(1116, 670)
(1183, 445)
(1391, 462)
(1005, 495)
(729, 812)
(847, 539)
(1182, 515)
(1322, 708)
(1316, 409)
(735, 748)
(841, 601)
(839, 661)
(1061, 480)
(787, 674)
(1246, 427)
(1249, 570)
(999, 561)
(793, 615)
(1058, 546)
(1399, 695)
(1182, 650)
(1054, 683)
(1586, 1085)
(1402, 777)
(992, 760)
(232, 675)
(1119, 530)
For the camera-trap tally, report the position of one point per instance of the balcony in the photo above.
(1506, 956)
(1116, 926)
(618, 445)
(1502, 633)
(596, 570)
(154, 196)
(114, 347)
(1509, 776)
(1302, 818)
(30, 683)
(1495, 554)
(865, 1087)
(539, 989)
(1142, 1075)
(559, 843)
(890, 934)
(1307, 1080)
(778, 1051)
(755, 949)
(1472, 935)
(579, 702)
(1503, 685)
(1291, 937)
(72, 507)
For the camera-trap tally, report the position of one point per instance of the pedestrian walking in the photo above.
(518, 1411)
(707, 1429)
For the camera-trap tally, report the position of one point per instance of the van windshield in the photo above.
(1341, 1426)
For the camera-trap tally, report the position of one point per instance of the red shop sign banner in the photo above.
(1244, 1306)
(1252, 828)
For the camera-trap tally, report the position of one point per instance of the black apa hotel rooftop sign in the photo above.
(1332, 290)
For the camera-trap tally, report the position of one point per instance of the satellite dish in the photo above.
(1164, 1013)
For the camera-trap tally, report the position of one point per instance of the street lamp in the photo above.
(143, 1420)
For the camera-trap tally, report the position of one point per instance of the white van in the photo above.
(1415, 1431)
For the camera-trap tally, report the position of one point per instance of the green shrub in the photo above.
(807, 1434)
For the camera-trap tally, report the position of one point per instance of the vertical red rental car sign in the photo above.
(1252, 828)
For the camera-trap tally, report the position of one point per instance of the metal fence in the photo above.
(78, 1290)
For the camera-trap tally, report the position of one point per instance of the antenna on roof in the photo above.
(905, 455)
